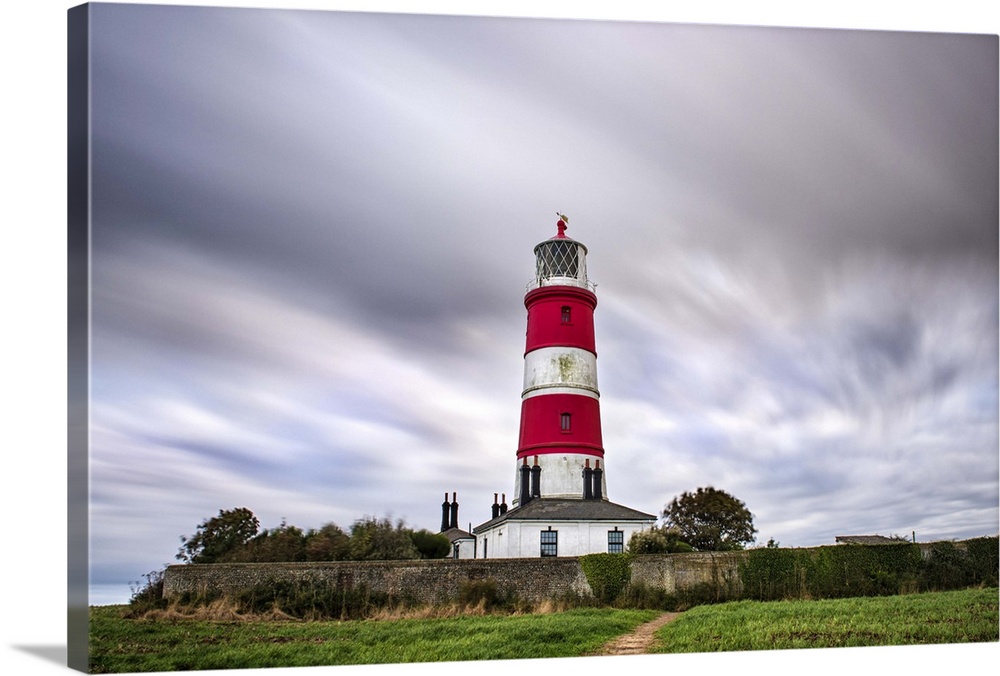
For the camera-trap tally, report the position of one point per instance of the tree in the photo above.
(329, 543)
(710, 520)
(219, 536)
(377, 540)
(284, 543)
(431, 545)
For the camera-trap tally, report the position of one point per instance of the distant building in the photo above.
(463, 543)
(559, 506)
(867, 540)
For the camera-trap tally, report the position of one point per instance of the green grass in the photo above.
(943, 617)
(119, 644)
(128, 645)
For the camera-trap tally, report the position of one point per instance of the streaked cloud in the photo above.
(312, 233)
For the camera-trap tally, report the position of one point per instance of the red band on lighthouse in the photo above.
(560, 315)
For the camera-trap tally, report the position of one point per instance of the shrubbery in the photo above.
(867, 570)
(658, 541)
(314, 600)
(607, 574)
(983, 555)
(486, 595)
(953, 567)
(233, 536)
(148, 595)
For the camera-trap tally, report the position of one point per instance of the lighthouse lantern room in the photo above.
(559, 478)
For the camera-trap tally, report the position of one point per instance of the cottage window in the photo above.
(550, 542)
(616, 541)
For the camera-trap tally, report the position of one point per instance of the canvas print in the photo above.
(402, 338)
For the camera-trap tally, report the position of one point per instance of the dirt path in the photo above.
(638, 641)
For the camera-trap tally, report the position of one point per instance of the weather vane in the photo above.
(562, 224)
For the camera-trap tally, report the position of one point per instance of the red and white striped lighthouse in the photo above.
(560, 453)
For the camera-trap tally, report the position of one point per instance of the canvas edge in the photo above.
(78, 335)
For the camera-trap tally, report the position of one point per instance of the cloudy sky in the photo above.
(312, 232)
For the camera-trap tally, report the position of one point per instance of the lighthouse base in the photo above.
(561, 475)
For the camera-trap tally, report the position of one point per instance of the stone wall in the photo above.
(679, 572)
(437, 581)
(429, 581)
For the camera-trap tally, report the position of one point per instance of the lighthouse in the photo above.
(560, 436)
(560, 504)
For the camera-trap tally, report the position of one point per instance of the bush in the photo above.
(831, 572)
(148, 595)
(474, 592)
(859, 570)
(643, 596)
(657, 541)
(313, 600)
(984, 560)
(607, 574)
(771, 574)
(949, 566)
(486, 595)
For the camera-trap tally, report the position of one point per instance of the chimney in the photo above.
(598, 481)
(588, 481)
(525, 482)
(503, 503)
(454, 510)
(496, 506)
(444, 513)
(536, 478)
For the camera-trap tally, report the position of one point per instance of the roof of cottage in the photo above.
(454, 534)
(567, 509)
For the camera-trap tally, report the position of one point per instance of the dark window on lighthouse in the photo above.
(565, 421)
(616, 541)
(566, 319)
(550, 542)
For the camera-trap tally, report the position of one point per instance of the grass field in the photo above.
(119, 644)
(943, 617)
(167, 644)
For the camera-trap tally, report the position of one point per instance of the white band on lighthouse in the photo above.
(570, 369)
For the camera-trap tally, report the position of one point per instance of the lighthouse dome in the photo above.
(561, 261)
